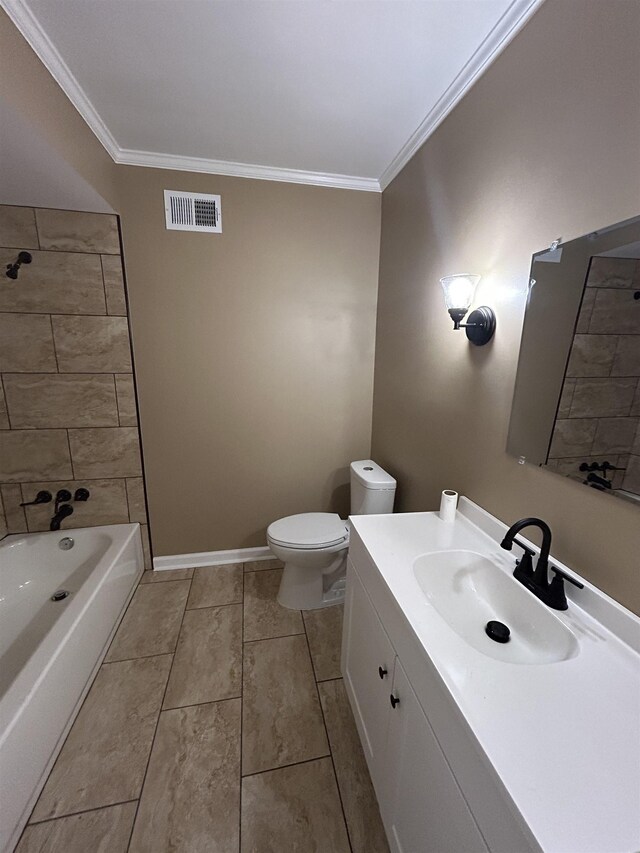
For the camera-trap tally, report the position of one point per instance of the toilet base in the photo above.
(302, 588)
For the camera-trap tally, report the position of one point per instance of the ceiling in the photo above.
(330, 92)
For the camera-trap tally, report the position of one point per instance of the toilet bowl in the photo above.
(313, 545)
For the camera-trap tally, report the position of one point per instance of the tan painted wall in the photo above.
(253, 352)
(28, 89)
(544, 145)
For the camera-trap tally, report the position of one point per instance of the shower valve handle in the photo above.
(41, 498)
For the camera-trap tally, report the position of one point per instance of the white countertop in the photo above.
(563, 737)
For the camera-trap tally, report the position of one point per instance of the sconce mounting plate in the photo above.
(480, 326)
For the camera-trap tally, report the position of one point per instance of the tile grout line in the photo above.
(155, 732)
(73, 814)
(275, 637)
(285, 766)
(35, 222)
(326, 731)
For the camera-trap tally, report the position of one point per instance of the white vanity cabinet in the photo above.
(421, 804)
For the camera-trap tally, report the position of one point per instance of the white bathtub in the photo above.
(50, 651)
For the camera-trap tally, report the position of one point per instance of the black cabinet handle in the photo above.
(382, 672)
(394, 700)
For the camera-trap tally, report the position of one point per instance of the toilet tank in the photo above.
(372, 489)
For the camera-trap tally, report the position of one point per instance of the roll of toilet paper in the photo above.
(448, 504)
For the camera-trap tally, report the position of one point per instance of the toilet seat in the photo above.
(309, 530)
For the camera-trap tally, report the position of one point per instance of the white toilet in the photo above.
(313, 545)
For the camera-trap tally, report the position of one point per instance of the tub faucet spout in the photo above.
(63, 512)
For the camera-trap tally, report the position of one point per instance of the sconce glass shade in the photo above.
(459, 290)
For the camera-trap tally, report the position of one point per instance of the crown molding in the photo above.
(154, 160)
(45, 50)
(511, 22)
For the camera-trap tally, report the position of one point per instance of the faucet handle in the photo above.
(41, 498)
(560, 575)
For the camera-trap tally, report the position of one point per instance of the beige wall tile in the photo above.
(281, 717)
(32, 455)
(107, 503)
(26, 344)
(216, 585)
(615, 312)
(358, 797)
(18, 227)
(105, 755)
(92, 344)
(564, 407)
(263, 616)
(573, 437)
(135, 498)
(627, 359)
(296, 808)
(152, 621)
(614, 435)
(114, 284)
(592, 355)
(61, 282)
(3, 520)
(207, 664)
(192, 804)
(601, 398)
(635, 408)
(125, 392)
(631, 481)
(14, 513)
(111, 452)
(71, 231)
(324, 631)
(586, 309)
(611, 272)
(4, 417)
(102, 831)
(41, 400)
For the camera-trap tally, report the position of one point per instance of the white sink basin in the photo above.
(468, 590)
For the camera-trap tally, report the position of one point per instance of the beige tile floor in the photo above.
(218, 723)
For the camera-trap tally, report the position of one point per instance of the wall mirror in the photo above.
(576, 406)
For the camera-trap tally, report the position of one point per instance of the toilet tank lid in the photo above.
(371, 475)
(309, 530)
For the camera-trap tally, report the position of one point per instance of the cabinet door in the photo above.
(426, 812)
(367, 665)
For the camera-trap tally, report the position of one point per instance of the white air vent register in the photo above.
(192, 212)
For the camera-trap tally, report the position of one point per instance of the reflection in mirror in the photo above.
(576, 406)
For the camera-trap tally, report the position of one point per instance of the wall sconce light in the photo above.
(458, 296)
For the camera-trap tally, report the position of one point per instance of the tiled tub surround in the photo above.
(218, 722)
(67, 404)
(599, 413)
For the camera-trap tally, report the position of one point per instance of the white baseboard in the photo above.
(210, 558)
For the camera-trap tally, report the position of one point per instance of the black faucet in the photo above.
(537, 580)
(62, 512)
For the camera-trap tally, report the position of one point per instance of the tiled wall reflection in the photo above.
(67, 406)
(599, 414)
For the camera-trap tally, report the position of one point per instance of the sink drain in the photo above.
(60, 594)
(497, 631)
